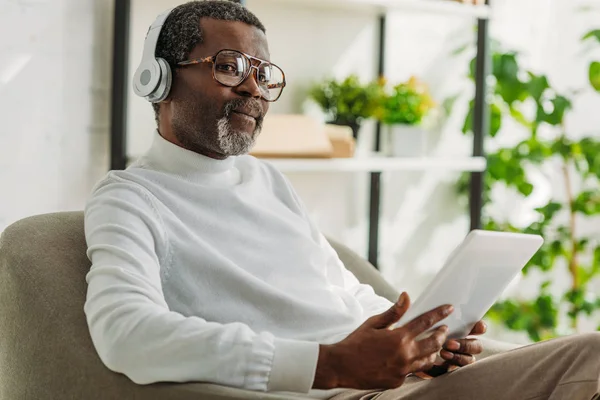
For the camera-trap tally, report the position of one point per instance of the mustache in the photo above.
(251, 104)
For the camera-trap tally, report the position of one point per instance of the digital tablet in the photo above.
(473, 278)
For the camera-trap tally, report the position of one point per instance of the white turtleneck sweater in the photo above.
(210, 270)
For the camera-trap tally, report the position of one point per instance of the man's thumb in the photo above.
(392, 314)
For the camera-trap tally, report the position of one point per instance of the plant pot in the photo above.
(404, 140)
(355, 126)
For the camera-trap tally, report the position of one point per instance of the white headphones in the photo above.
(152, 79)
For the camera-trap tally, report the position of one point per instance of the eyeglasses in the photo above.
(232, 67)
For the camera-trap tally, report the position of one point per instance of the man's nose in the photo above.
(249, 87)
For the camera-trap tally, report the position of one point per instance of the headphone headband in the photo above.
(152, 79)
(152, 35)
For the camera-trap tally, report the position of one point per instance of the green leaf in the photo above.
(506, 70)
(583, 276)
(472, 68)
(587, 203)
(519, 117)
(542, 260)
(462, 186)
(594, 268)
(525, 188)
(547, 310)
(590, 149)
(557, 249)
(596, 261)
(537, 85)
(545, 285)
(505, 66)
(468, 125)
(549, 210)
(594, 75)
(560, 105)
(580, 302)
(495, 119)
(533, 150)
(563, 147)
(595, 34)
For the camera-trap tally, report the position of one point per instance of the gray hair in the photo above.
(181, 31)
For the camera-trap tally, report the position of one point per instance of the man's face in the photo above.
(207, 117)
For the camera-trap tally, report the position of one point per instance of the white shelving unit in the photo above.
(446, 7)
(379, 164)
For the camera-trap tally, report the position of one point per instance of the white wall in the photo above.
(54, 76)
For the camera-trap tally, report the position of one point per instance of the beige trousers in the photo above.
(561, 369)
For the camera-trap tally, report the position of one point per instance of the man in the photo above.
(206, 266)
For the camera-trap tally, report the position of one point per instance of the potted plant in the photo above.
(401, 111)
(346, 102)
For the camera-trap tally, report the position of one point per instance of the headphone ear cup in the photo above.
(164, 85)
(146, 78)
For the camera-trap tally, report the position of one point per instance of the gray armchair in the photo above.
(45, 348)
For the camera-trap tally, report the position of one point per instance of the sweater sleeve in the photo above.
(136, 334)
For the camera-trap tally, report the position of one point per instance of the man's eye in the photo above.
(263, 78)
(227, 67)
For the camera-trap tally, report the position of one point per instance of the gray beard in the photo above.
(231, 142)
(196, 134)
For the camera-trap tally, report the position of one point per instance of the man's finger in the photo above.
(427, 320)
(433, 343)
(422, 364)
(479, 329)
(464, 346)
(457, 359)
(391, 315)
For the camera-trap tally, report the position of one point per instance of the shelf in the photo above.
(379, 164)
(446, 7)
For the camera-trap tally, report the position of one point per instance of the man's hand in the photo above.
(457, 353)
(376, 357)
(462, 352)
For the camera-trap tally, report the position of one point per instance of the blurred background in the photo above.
(407, 92)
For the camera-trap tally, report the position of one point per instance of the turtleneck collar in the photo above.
(177, 160)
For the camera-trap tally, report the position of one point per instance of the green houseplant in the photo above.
(346, 102)
(555, 309)
(401, 110)
(407, 103)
